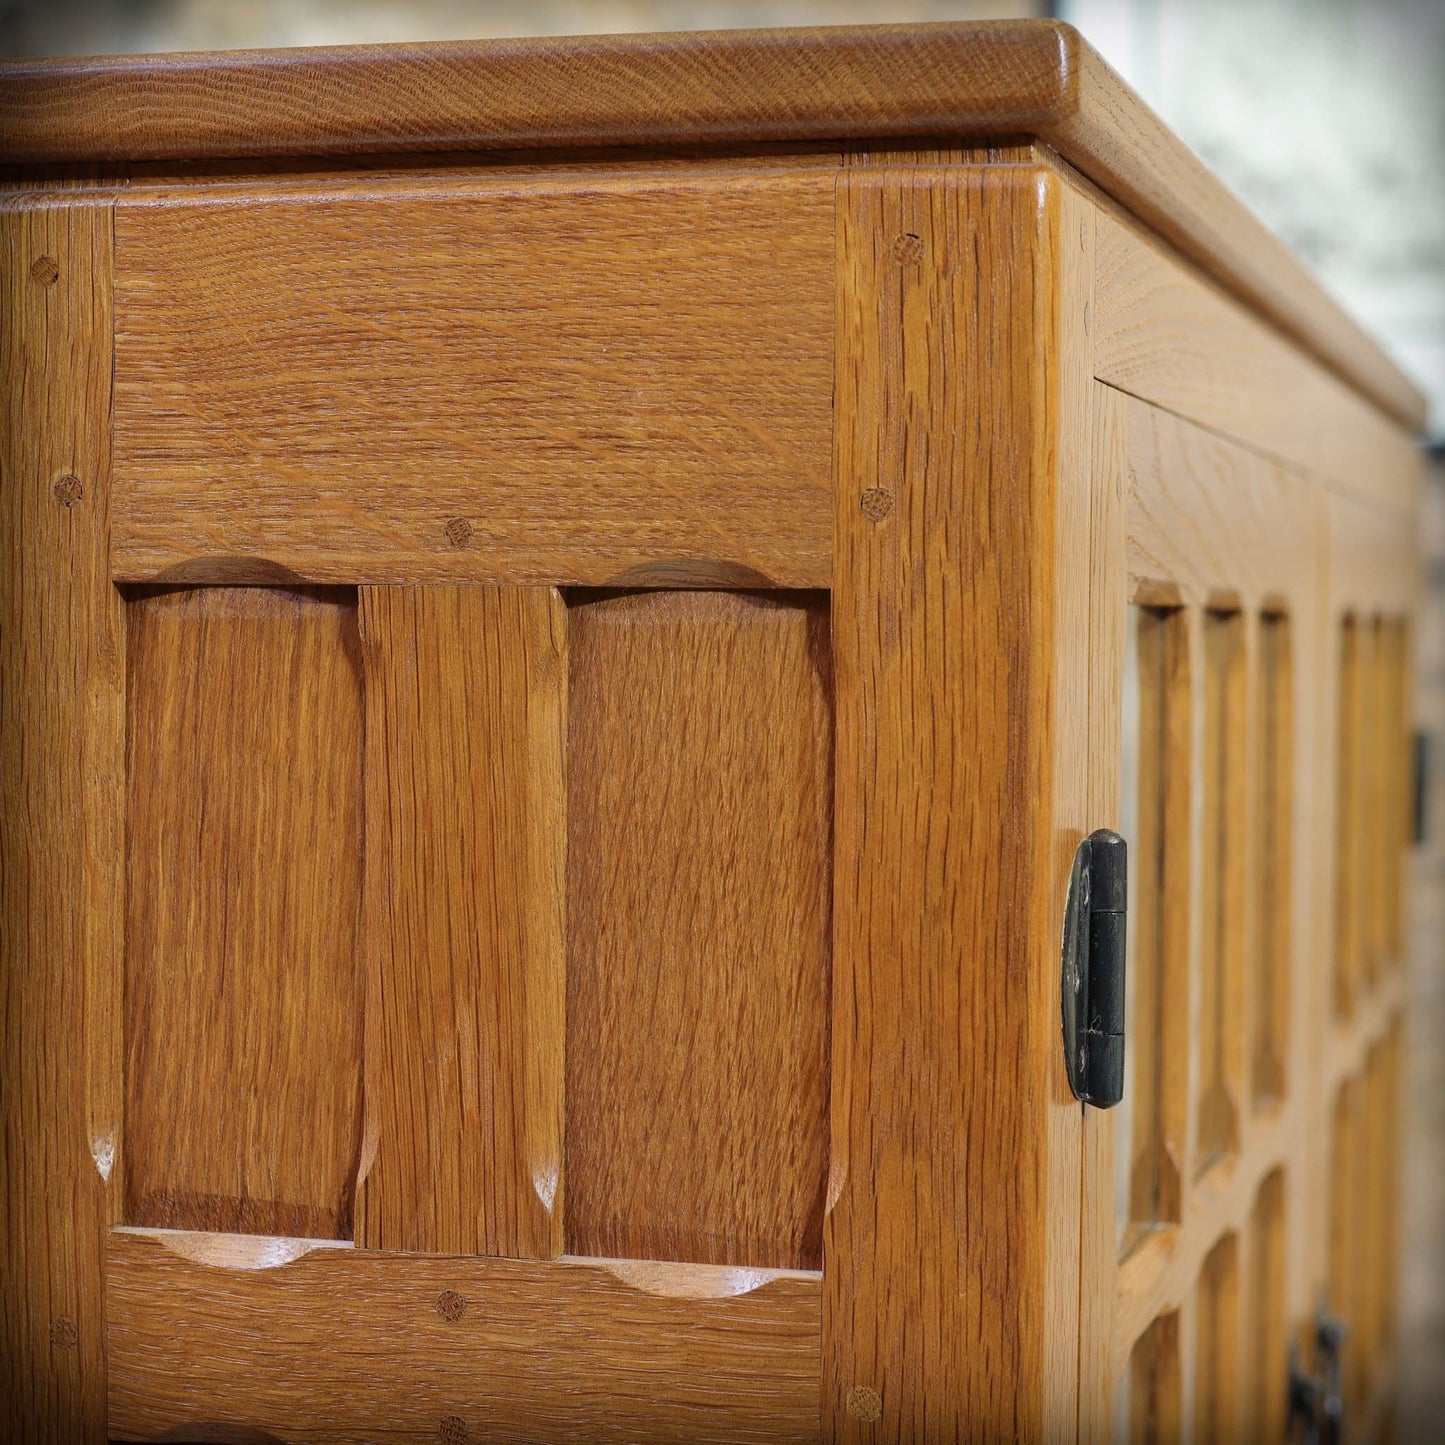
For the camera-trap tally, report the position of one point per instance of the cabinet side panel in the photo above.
(61, 801)
(243, 1008)
(700, 893)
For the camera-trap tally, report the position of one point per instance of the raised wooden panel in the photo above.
(528, 381)
(243, 984)
(1217, 1021)
(1150, 1411)
(278, 1339)
(1217, 1346)
(1265, 1332)
(62, 792)
(700, 888)
(1274, 859)
(465, 919)
(1150, 1130)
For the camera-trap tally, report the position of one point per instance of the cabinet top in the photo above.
(1023, 79)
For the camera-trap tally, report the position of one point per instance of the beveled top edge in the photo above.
(713, 87)
(954, 80)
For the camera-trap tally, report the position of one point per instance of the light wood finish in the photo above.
(1265, 1322)
(1218, 1005)
(1372, 571)
(62, 741)
(1034, 78)
(524, 382)
(700, 840)
(1217, 1344)
(1155, 1399)
(1274, 923)
(945, 1043)
(343, 1345)
(1160, 918)
(465, 920)
(243, 977)
(1216, 536)
(936, 318)
(1168, 336)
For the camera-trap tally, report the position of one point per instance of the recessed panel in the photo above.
(700, 833)
(243, 1001)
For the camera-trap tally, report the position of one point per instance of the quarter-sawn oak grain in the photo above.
(700, 887)
(62, 743)
(465, 918)
(243, 974)
(945, 1019)
(334, 1345)
(532, 383)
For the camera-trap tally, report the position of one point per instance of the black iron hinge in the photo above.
(1095, 929)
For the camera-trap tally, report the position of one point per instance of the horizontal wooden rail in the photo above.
(1165, 334)
(513, 382)
(314, 1341)
(1349, 1041)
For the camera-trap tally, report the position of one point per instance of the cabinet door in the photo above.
(1245, 1180)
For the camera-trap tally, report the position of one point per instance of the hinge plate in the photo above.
(1095, 932)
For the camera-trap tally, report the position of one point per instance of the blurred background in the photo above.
(1326, 116)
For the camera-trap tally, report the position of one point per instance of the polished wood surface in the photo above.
(244, 875)
(505, 382)
(318, 1344)
(618, 649)
(62, 762)
(700, 843)
(465, 926)
(940, 609)
(1036, 78)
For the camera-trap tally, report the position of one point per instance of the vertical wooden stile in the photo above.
(62, 743)
(464, 920)
(941, 1301)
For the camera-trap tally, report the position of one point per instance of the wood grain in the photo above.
(1217, 1028)
(1211, 523)
(618, 381)
(1166, 335)
(62, 742)
(1266, 1331)
(700, 885)
(946, 978)
(465, 919)
(243, 978)
(993, 79)
(1120, 143)
(1217, 1346)
(1208, 518)
(342, 1345)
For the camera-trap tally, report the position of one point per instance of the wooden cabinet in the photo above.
(564, 609)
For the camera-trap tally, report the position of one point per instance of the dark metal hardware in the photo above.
(1316, 1404)
(1095, 927)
